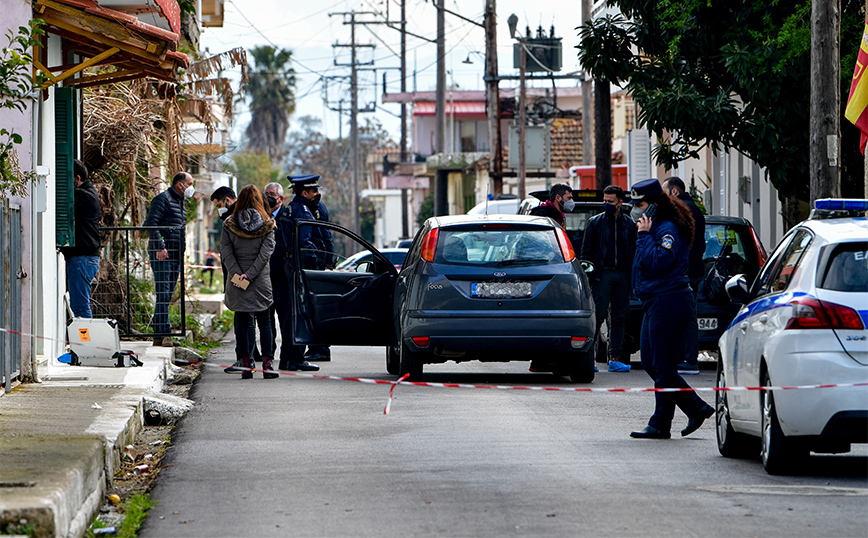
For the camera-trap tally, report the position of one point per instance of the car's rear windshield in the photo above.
(498, 248)
(847, 269)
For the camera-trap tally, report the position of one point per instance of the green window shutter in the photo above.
(64, 142)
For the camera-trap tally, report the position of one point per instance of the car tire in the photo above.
(780, 455)
(730, 443)
(410, 362)
(582, 369)
(393, 360)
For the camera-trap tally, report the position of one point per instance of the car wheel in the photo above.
(780, 455)
(730, 443)
(393, 360)
(582, 369)
(410, 362)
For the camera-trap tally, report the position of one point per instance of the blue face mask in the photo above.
(609, 208)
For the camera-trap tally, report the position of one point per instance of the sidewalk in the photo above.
(61, 440)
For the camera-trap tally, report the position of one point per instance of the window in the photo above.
(847, 269)
(784, 266)
(498, 247)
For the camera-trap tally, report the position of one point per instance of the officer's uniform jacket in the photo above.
(661, 262)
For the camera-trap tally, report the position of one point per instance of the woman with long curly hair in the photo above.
(246, 247)
(665, 233)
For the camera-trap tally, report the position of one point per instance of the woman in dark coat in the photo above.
(246, 247)
(660, 281)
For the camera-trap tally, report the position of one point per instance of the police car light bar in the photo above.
(841, 204)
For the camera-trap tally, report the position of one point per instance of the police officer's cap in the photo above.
(309, 181)
(645, 188)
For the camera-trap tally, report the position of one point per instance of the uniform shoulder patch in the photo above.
(667, 241)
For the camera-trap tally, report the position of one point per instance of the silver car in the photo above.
(496, 288)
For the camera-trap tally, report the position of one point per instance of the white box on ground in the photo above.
(97, 342)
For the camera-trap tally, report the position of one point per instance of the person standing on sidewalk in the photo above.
(610, 243)
(665, 233)
(82, 260)
(246, 247)
(325, 260)
(696, 270)
(166, 248)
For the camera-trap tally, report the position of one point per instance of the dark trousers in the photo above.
(251, 350)
(242, 331)
(166, 274)
(666, 320)
(611, 293)
(289, 352)
(691, 335)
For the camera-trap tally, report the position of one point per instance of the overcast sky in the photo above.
(306, 28)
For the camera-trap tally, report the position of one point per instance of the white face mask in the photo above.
(188, 192)
(569, 205)
(222, 211)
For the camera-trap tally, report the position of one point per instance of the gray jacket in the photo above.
(246, 248)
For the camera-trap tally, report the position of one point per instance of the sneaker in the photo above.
(615, 366)
(596, 370)
(686, 368)
(168, 342)
(234, 369)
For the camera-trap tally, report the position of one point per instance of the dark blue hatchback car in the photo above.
(488, 288)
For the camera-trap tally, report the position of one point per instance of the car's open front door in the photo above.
(334, 305)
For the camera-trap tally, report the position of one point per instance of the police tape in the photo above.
(187, 265)
(403, 380)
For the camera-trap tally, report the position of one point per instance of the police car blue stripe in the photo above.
(864, 315)
(764, 305)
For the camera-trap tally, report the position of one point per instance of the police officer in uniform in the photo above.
(291, 355)
(322, 238)
(665, 232)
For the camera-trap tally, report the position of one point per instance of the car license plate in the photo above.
(707, 324)
(500, 290)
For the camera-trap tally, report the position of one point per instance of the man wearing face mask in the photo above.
(166, 248)
(610, 243)
(560, 201)
(223, 199)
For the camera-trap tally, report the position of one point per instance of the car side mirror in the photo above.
(736, 288)
(587, 266)
(365, 267)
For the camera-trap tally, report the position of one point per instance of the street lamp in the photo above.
(512, 21)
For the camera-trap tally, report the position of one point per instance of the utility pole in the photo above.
(354, 113)
(492, 97)
(603, 134)
(522, 119)
(587, 102)
(441, 183)
(825, 128)
(405, 193)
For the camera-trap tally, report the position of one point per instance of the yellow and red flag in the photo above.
(857, 103)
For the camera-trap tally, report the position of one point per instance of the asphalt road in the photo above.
(310, 457)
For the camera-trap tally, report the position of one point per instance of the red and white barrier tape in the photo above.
(187, 265)
(403, 380)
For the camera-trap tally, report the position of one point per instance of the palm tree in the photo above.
(270, 91)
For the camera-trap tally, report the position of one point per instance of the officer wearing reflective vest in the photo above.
(665, 232)
(292, 355)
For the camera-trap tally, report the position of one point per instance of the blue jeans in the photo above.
(80, 272)
(666, 320)
(165, 279)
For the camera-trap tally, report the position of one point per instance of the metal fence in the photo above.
(10, 296)
(139, 290)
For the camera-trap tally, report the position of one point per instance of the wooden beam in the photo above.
(87, 63)
(38, 65)
(105, 77)
(135, 75)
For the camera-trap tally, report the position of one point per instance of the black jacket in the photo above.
(548, 209)
(87, 214)
(696, 267)
(598, 240)
(167, 209)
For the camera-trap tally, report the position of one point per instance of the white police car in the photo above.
(802, 322)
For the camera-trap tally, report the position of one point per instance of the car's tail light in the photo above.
(761, 255)
(429, 244)
(566, 247)
(810, 313)
(578, 341)
(421, 341)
